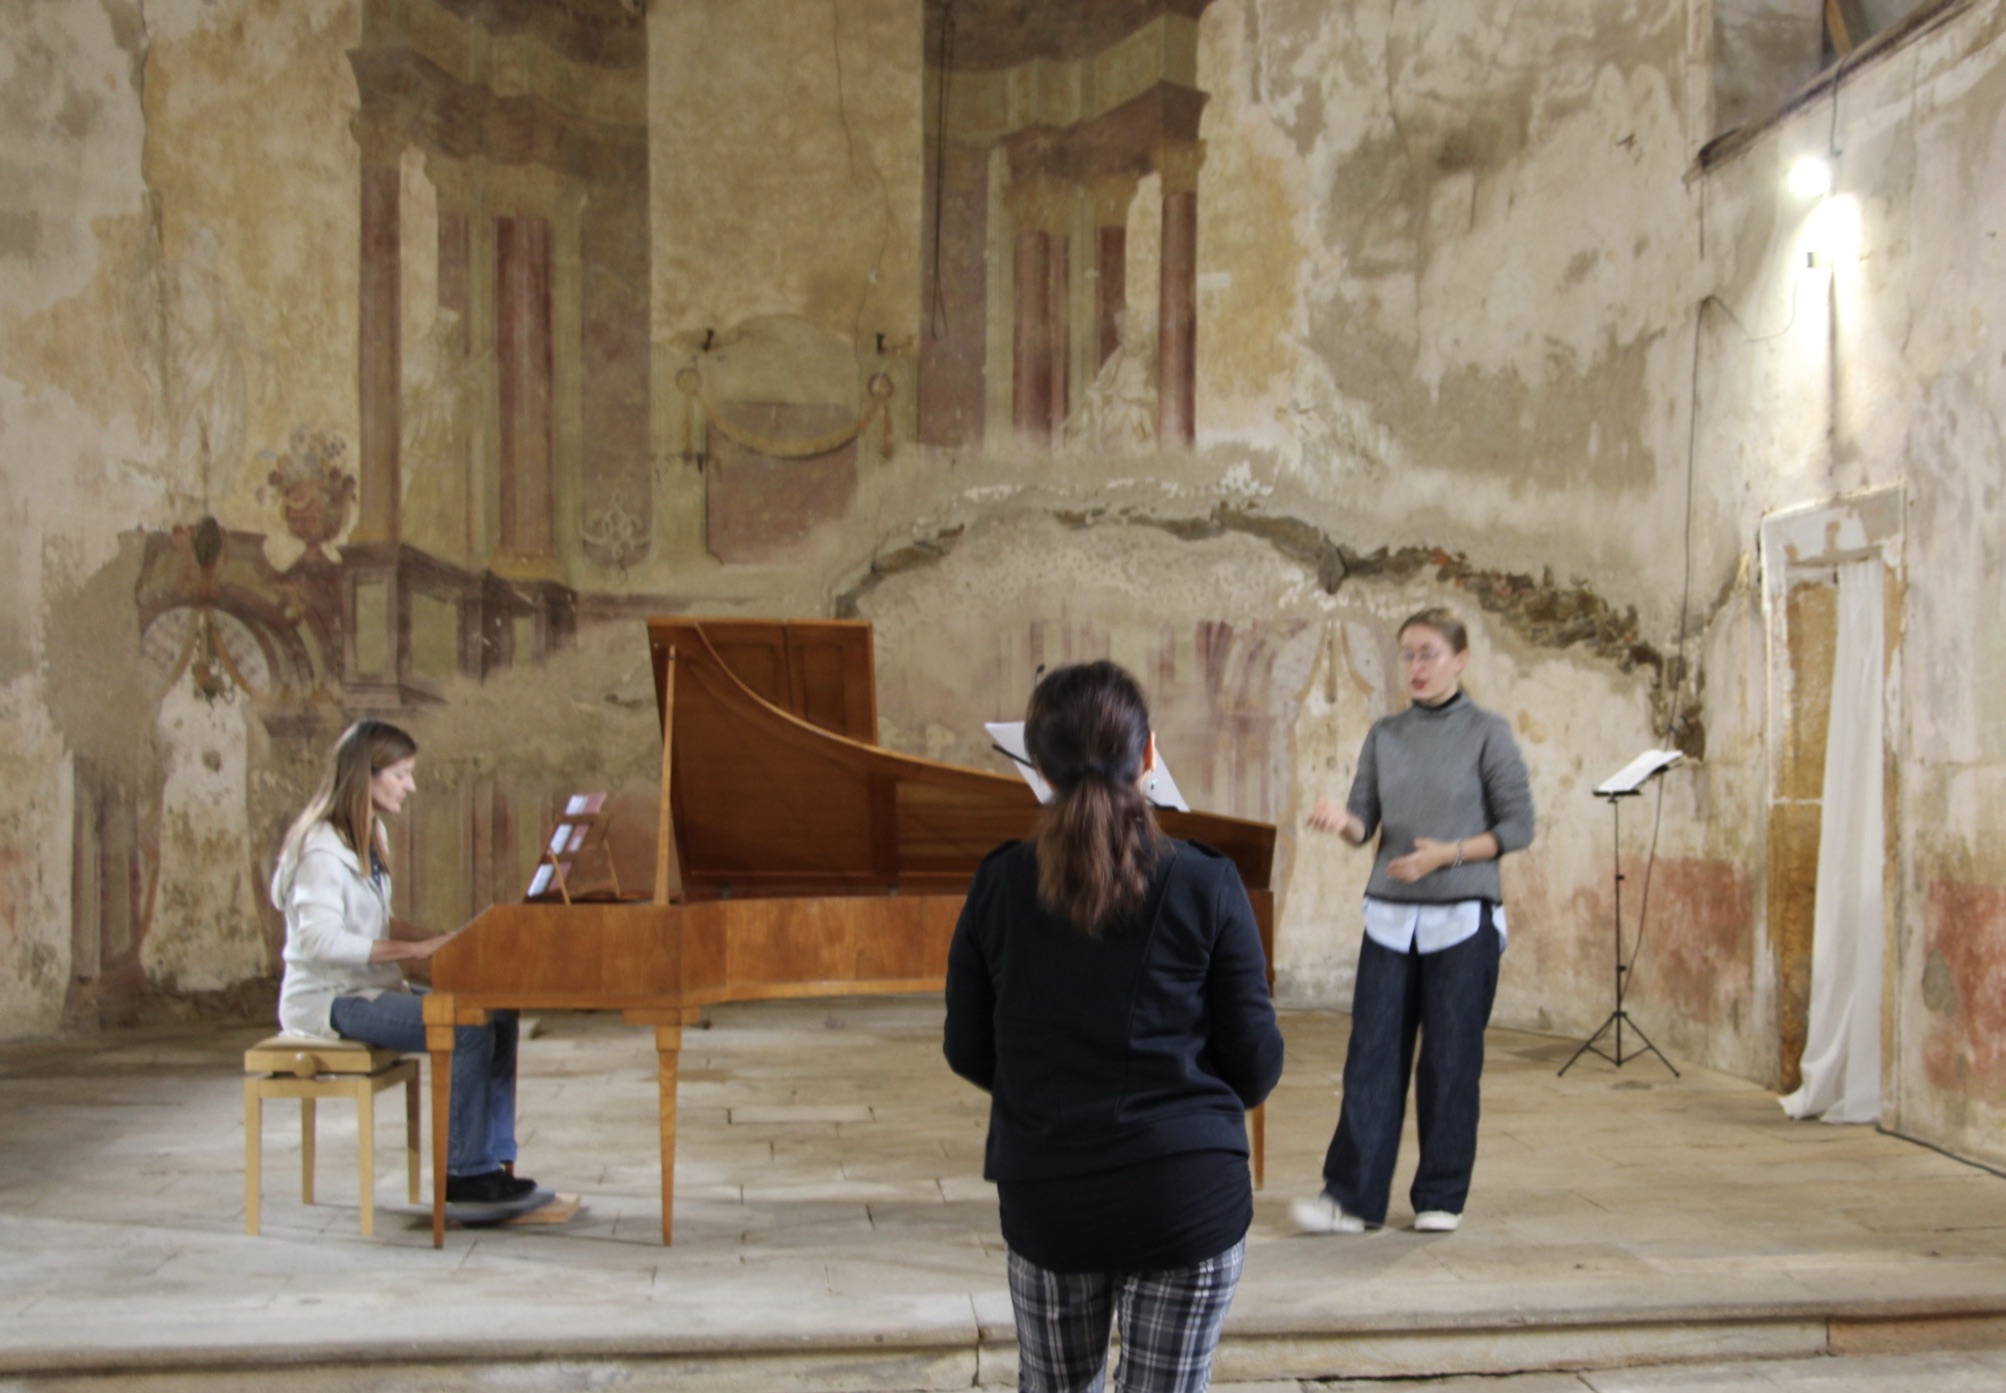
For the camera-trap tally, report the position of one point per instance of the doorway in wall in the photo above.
(1832, 577)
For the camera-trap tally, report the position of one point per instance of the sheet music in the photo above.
(1009, 740)
(1631, 776)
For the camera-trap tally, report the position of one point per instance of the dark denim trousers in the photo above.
(481, 1127)
(1444, 998)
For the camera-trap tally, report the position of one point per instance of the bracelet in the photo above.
(1459, 854)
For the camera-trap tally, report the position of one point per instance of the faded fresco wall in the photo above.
(75, 399)
(785, 204)
(480, 331)
(175, 313)
(1440, 274)
(1865, 322)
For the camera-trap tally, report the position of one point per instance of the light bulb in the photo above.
(1811, 177)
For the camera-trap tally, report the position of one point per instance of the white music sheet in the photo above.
(1631, 776)
(1008, 737)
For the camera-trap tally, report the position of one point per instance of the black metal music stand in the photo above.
(1619, 1017)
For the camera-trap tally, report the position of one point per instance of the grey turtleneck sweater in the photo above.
(1448, 772)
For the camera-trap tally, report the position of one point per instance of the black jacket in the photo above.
(1148, 1040)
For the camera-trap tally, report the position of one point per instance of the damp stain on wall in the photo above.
(1964, 941)
(1700, 949)
(102, 695)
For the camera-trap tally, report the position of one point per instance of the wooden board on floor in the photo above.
(561, 1210)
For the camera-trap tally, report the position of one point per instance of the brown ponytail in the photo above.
(1087, 730)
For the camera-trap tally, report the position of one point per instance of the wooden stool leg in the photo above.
(365, 1145)
(411, 1128)
(254, 1152)
(307, 1121)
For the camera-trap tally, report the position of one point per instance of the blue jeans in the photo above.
(481, 1131)
(1444, 998)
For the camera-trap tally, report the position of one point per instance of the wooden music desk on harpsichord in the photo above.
(796, 858)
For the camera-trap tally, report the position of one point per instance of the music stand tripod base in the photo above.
(1618, 1018)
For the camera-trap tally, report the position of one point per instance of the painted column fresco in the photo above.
(616, 505)
(524, 373)
(1085, 103)
(1177, 312)
(1108, 199)
(1041, 288)
(379, 358)
(1059, 332)
(1031, 341)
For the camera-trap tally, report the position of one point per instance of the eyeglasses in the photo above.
(1423, 657)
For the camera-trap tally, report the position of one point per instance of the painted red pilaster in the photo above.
(523, 366)
(379, 357)
(1059, 331)
(1031, 367)
(1177, 318)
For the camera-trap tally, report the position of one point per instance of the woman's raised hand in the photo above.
(1329, 816)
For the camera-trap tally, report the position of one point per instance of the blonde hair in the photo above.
(1443, 621)
(343, 800)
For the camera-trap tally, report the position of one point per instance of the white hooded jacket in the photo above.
(335, 913)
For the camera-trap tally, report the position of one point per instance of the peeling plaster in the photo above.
(1542, 611)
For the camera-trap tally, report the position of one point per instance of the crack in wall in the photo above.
(1540, 610)
(915, 555)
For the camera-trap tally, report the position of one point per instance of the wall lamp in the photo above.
(1811, 177)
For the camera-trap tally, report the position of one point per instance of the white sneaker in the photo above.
(1436, 1221)
(1324, 1215)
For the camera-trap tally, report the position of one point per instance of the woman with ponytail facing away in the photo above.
(1106, 986)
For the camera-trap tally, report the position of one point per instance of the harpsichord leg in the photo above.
(439, 1044)
(668, 1048)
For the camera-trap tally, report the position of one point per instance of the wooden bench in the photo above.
(298, 1066)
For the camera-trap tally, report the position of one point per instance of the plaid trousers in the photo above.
(1169, 1323)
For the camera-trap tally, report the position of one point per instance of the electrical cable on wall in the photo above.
(1677, 714)
(884, 186)
(1671, 729)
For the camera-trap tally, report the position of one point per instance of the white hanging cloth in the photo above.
(1842, 1048)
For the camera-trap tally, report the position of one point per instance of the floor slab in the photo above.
(830, 1211)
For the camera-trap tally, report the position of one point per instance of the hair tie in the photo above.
(1095, 766)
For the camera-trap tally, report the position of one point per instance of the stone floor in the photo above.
(833, 1231)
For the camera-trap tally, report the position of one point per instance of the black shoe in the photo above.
(495, 1187)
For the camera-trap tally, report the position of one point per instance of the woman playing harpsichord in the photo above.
(343, 947)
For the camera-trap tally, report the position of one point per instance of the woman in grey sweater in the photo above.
(1443, 786)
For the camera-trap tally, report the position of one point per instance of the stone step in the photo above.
(1498, 1348)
